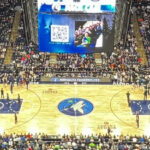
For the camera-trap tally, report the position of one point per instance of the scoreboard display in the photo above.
(85, 6)
(75, 26)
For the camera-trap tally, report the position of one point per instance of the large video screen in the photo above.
(76, 33)
(85, 6)
(88, 34)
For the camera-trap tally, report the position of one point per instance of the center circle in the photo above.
(75, 106)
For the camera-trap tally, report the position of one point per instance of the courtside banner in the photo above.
(75, 80)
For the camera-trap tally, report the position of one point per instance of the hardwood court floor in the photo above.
(39, 111)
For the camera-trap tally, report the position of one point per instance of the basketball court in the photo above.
(49, 109)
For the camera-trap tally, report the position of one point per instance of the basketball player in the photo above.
(27, 83)
(108, 130)
(148, 89)
(7, 96)
(19, 99)
(128, 98)
(16, 119)
(145, 94)
(2, 93)
(11, 87)
(137, 119)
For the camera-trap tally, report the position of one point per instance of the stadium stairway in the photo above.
(53, 58)
(97, 57)
(140, 48)
(13, 37)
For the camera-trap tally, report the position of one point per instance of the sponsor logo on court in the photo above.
(75, 107)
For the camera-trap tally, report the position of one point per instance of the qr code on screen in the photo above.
(59, 33)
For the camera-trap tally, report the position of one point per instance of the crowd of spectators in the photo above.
(73, 142)
(75, 62)
(124, 62)
(143, 14)
(141, 1)
(6, 22)
(122, 66)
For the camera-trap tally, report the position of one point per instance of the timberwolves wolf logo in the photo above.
(75, 107)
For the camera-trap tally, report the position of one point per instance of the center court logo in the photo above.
(75, 107)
